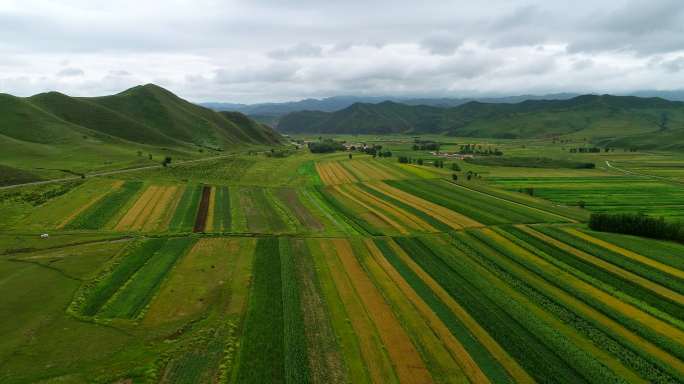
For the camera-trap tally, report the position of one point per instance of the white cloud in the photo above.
(247, 51)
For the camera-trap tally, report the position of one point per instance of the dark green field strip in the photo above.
(411, 209)
(494, 371)
(294, 332)
(360, 225)
(613, 281)
(475, 205)
(202, 210)
(131, 263)
(467, 287)
(665, 252)
(100, 213)
(184, 218)
(222, 214)
(262, 349)
(137, 293)
(612, 345)
(634, 266)
(496, 252)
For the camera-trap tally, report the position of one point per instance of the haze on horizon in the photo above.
(273, 50)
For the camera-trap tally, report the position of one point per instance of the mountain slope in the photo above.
(598, 117)
(52, 132)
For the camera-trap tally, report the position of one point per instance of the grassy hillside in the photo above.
(608, 119)
(51, 133)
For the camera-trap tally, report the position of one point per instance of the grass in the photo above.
(529, 162)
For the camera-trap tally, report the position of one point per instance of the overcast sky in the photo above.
(275, 50)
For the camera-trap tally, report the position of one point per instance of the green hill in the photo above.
(51, 132)
(607, 119)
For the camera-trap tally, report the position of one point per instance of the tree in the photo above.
(149, 156)
(167, 161)
(454, 177)
(455, 167)
(420, 161)
(350, 156)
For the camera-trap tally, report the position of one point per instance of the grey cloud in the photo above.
(70, 72)
(442, 42)
(299, 50)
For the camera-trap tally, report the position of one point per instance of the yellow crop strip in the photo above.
(209, 226)
(627, 253)
(437, 333)
(587, 310)
(509, 364)
(144, 216)
(377, 213)
(408, 364)
(557, 325)
(325, 176)
(376, 359)
(127, 221)
(648, 284)
(157, 216)
(443, 214)
(409, 219)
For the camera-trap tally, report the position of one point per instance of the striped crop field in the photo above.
(336, 271)
(350, 171)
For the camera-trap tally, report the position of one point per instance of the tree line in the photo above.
(637, 224)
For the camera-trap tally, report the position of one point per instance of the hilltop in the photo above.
(51, 130)
(604, 118)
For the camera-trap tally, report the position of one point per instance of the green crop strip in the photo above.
(553, 279)
(663, 251)
(130, 301)
(222, 214)
(428, 218)
(184, 218)
(614, 345)
(97, 216)
(294, 333)
(262, 351)
(466, 287)
(130, 264)
(357, 223)
(617, 259)
(484, 359)
(616, 282)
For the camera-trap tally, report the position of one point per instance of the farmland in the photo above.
(330, 269)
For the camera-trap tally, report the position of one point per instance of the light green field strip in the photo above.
(237, 212)
(648, 284)
(579, 306)
(627, 253)
(510, 365)
(447, 357)
(565, 218)
(374, 355)
(312, 200)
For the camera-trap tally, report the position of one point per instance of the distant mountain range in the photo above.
(627, 121)
(270, 112)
